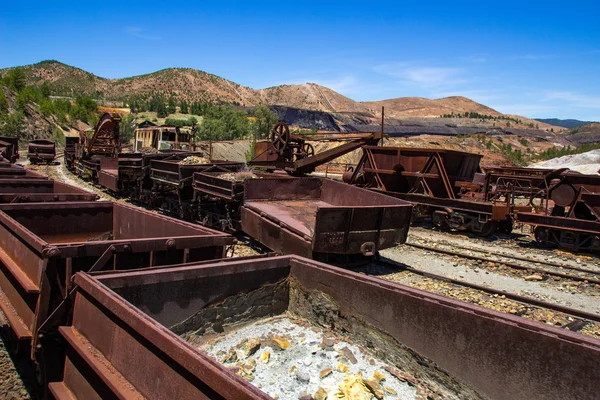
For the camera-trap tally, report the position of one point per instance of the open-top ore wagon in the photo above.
(248, 329)
(41, 150)
(321, 218)
(42, 245)
(434, 179)
(132, 177)
(219, 192)
(9, 148)
(172, 183)
(70, 151)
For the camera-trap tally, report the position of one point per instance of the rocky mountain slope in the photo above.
(33, 124)
(585, 134)
(195, 85)
(411, 107)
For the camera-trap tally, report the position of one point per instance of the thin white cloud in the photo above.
(475, 58)
(574, 99)
(532, 57)
(139, 33)
(530, 110)
(423, 76)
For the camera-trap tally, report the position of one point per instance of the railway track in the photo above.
(520, 258)
(525, 300)
(584, 275)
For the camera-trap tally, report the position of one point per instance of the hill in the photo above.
(310, 96)
(585, 134)
(194, 85)
(419, 107)
(565, 123)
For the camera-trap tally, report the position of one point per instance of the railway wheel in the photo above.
(488, 228)
(280, 136)
(542, 236)
(440, 220)
(505, 227)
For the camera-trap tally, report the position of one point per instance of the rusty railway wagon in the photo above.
(219, 193)
(434, 179)
(9, 149)
(321, 218)
(43, 245)
(70, 151)
(172, 188)
(41, 150)
(147, 334)
(28, 190)
(571, 216)
(132, 178)
(513, 182)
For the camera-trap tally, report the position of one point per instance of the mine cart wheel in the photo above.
(308, 150)
(440, 220)
(280, 136)
(542, 237)
(505, 227)
(488, 228)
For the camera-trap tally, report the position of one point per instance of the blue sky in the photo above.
(538, 59)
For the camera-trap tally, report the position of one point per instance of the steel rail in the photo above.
(531, 260)
(508, 264)
(516, 297)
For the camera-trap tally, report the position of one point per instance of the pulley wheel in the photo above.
(308, 150)
(280, 136)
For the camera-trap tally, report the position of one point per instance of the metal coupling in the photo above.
(52, 252)
(368, 249)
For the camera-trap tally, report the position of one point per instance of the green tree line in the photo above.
(554, 152)
(484, 117)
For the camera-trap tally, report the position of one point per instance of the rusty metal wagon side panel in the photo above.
(434, 172)
(120, 322)
(41, 190)
(210, 183)
(172, 173)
